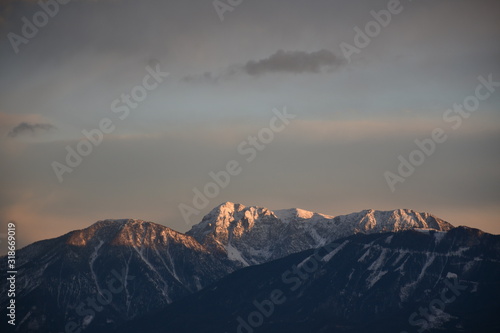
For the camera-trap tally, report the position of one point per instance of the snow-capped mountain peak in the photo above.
(229, 219)
(397, 220)
(253, 235)
(297, 214)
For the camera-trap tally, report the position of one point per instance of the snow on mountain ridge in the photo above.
(129, 232)
(227, 213)
(399, 219)
(288, 215)
(253, 235)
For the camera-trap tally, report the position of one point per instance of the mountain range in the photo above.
(131, 274)
(410, 281)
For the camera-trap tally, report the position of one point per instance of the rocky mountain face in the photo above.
(108, 273)
(255, 235)
(116, 270)
(410, 281)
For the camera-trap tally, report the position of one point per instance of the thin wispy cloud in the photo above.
(291, 62)
(32, 129)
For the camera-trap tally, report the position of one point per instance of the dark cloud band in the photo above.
(24, 128)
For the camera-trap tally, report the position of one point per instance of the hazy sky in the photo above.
(352, 118)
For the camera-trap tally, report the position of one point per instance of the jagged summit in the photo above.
(228, 213)
(229, 216)
(397, 220)
(252, 234)
(400, 219)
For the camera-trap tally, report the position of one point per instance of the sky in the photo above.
(309, 104)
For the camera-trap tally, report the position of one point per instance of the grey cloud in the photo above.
(24, 128)
(294, 62)
(205, 77)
